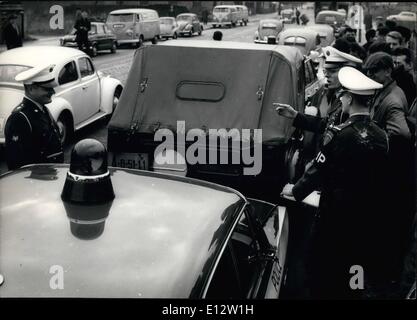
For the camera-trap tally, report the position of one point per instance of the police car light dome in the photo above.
(88, 179)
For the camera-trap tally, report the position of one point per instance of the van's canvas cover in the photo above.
(249, 76)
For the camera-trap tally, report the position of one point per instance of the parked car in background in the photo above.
(169, 27)
(141, 235)
(405, 19)
(188, 24)
(334, 19)
(224, 15)
(216, 94)
(84, 95)
(288, 16)
(100, 38)
(268, 28)
(326, 33)
(242, 14)
(134, 26)
(304, 39)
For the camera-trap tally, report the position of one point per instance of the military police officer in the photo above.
(349, 170)
(31, 133)
(335, 60)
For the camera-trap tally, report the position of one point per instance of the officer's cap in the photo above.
(336, 58)
(356, 82)
(43, 75)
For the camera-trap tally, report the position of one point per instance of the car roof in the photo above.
(36, 55)
(300, 32)
(133, 10)
(274, 21)
(173, 18)
(331, 12)
(225, 6)
(186, 14)
(161, 237)
(285, 51)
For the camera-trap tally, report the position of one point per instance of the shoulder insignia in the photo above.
(15, 138)
(328, 136)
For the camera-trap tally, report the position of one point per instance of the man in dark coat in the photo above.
(349, 169)
(82, 27)
(31, 133)
(389, 110)
(11, 33)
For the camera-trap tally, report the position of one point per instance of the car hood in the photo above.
(183, 24)
(166, 28)
(10, 97)
(69, 37)
(267, 33)
(161, 236)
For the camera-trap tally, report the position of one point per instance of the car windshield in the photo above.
(184, 18)
(9, 72)
(123, 17)
(166, 21)
(221, 10)
(298, 41)
(328, 18)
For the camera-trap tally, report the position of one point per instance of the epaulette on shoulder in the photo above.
(18, 108)
(342, 126)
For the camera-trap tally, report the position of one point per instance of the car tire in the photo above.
(200, 32)
(245, 22)
(175, 36)
(94, 50)
(64, 126)
(241, 23)
(116, 96)
(191, 32)
(113, 47)
(154, 40)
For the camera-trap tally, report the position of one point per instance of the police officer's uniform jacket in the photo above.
(350, 228)
(32, 136)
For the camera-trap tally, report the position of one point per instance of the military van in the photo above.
(209, 96)
(134, 26)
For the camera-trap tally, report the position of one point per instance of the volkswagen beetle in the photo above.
(83, 96)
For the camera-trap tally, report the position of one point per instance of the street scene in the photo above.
(208, 150)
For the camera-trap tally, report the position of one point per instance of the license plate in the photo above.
(131, 161)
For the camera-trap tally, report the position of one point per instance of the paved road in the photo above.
(117, 65)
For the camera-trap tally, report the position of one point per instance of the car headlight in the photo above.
(129, 32)
(187, 27)
(215, 19)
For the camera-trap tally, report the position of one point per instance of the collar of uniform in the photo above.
(36, 103)
(359, 116)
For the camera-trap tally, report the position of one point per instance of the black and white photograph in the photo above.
(197, 151)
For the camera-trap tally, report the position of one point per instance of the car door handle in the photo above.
(84, 87)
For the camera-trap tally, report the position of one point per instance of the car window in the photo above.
(93, 29)
(100, 29)
(106, 30)
(123, 17)
(68, 73)
(235, 274)
(9, 72)
(86, 67)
